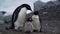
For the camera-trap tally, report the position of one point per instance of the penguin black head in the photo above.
(27, 6)
(35, 12)
(29, 19)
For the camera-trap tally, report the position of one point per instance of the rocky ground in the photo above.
(48, 27)
(3, 31)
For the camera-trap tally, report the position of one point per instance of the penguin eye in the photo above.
(28, 7)
(30, 19)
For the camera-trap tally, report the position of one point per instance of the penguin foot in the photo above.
(14, 29)
(17, 30)
(11, 28)
(40, 30)
(7, 28)
(27, 32)
(35, 30)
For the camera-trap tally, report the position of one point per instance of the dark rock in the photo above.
(50, 17)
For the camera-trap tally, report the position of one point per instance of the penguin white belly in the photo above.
(28, 27)
(21, 18)
(36, 22)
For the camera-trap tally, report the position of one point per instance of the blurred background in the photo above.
(49, 12)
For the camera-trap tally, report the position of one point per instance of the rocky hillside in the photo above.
(38, 5)
(50, 16)
(50, 11)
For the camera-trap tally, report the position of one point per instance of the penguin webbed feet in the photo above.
(27, 32)
(8, 28)
(37, 30)
(18, 29)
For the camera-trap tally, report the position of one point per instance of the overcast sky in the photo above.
(10, 5)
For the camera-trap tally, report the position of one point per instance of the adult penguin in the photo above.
(19, 15)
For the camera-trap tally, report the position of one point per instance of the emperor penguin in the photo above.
(19, 15)
(36, 21)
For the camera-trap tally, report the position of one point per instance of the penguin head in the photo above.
(27, 6)
(35, 12)
(29, 19)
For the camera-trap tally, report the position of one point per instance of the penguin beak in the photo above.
(30, 9)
